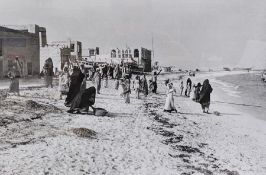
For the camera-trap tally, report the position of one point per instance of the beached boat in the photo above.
(226, 69)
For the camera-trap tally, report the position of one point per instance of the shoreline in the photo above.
(238, 129)
(245, 98)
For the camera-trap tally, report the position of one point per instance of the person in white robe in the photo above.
(169, 102)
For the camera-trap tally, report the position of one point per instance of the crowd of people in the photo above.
(79, 98)
(201, 93)
(73, 78)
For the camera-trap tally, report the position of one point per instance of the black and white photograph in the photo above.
(133, 87)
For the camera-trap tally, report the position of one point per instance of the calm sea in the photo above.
(251, 93)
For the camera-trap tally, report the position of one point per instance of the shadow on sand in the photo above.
(223, 113)
(109, 114)
(187, 113)
(114, 114)
(239, 104)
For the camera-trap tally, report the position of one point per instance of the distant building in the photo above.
(122, 53)
(146, 59)
(141, 56)
(61, 52)
(22, 42)
(167, 69)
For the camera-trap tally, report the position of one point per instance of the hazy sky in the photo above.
(187, 33)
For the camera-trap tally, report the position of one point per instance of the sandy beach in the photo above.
(60, 116)
(138, 138)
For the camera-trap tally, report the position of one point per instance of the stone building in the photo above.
(145, 57)
(22, 42)
(61, 52)
(122, 53)
(141, 56)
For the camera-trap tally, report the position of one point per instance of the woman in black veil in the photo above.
(79, 98)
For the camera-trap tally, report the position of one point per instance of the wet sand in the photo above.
(250, 93)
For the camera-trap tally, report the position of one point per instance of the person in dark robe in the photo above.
(105, 75)
(151, 86)
(205, 94)
(48, 72)
(145, 86)
(111, 71)
(197, 92)
(188, 87)
(154, 81)
(181, 88)
(166, 82)
(117, 83)
(76, 80)
(83, 100)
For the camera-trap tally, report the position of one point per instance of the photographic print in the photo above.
(133, 87)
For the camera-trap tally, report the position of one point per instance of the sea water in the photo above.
(247, 91)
